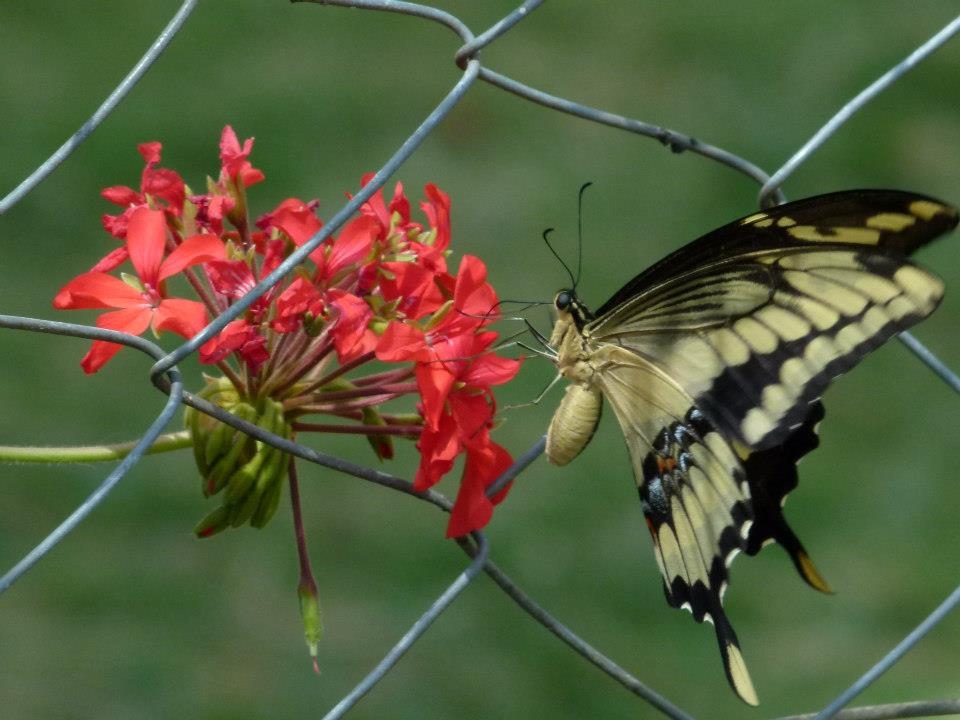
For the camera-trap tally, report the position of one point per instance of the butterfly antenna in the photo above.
(546, 239)
(583, 189)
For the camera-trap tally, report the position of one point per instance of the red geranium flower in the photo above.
(142, 301)
(234, 158)
(378, 289)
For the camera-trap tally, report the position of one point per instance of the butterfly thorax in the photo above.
(569, 339)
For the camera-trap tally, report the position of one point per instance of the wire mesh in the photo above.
(468, 58)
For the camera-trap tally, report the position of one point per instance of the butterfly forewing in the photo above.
(894, 220)
(714, 360)
(756, 336)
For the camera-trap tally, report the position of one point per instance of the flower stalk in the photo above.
(372, 335)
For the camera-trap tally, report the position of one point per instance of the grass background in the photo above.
(132, 617)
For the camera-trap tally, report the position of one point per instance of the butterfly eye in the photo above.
(564, 300)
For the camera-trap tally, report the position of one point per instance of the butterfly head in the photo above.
(569, 307)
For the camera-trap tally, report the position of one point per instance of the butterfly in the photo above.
(714, 360)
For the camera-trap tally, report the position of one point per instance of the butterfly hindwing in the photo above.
(693, 489)
(772, 474)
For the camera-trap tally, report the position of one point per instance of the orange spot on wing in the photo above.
(666, 464)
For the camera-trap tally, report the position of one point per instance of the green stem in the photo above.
(307, 588)
(90, 453)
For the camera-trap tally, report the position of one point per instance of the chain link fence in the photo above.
(464, 108)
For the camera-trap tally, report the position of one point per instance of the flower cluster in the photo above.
(378, 292)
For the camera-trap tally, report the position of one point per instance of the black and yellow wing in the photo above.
(714, 360)
(758, 316)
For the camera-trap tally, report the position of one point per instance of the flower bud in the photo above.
(310, 615)
(252, 471)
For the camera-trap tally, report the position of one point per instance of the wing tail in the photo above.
(772, 475)
(733, 663)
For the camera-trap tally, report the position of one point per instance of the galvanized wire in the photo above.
(166, 377)
(894, 74)
(174, 388)
(419, 628)
(102, 112)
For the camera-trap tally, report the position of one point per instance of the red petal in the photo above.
(400, 205)
(298, 298)
(473, 296)
(116, 225)
(500, 461)
(472, 413)
(351, 334)
(489, 369)
(98, 355)
(113, 259)
(241, 337)
(146, 235)
(472, 509)
(122, 195)
(130, 320)
(437, 210)
(150, 152)
(218, 208)
(438, 448)
(229, 339)
(401, 342)
(434, 382)
(352, 245)
(233, 158)
(232, 278)
(184, 317)
(166, 185)
(297, 220)
(250, 175)
(97, 290)
(413, 285)
(229, 144)
(192, 251)
(375, 207)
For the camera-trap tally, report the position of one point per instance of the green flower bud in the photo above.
(251, 471)
(310, 615)
(382, 444)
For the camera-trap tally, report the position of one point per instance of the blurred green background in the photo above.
(132, 617)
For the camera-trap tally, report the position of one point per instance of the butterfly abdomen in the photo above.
(573, 423)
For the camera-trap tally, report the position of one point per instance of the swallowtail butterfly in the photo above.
(714, 361)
